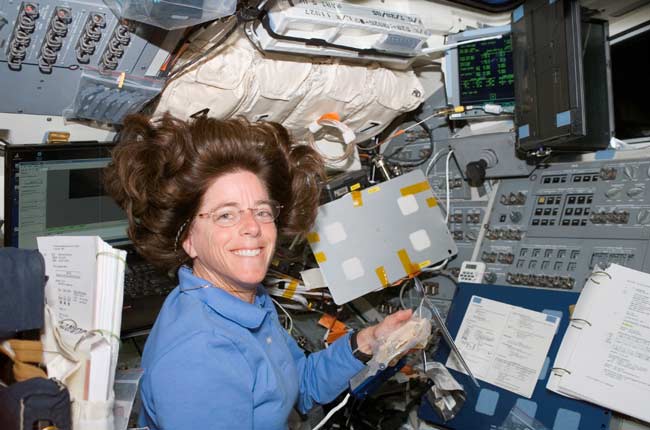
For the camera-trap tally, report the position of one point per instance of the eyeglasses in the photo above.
(228, 216)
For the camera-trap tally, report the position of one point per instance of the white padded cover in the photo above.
(238, 80)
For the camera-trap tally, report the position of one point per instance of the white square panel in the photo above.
(420, 240)
(335, 233)
(353, 269)
(408, 204)
(366, 241)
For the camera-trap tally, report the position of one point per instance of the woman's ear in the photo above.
(188, 245)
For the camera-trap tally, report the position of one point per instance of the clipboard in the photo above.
(487, 408)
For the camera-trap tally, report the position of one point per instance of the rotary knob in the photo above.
(635, 191)
(515, 216)
(613, 193)
(630, 172)
(490, 277)
(643, 217)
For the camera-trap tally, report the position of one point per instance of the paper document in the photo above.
(504, 345)
(606, 350)
(84, 297)
(71, 266)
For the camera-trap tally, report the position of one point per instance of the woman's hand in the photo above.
(367, 337)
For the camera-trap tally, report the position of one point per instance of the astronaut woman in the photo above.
(209, 198)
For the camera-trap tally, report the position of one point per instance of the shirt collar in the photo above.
(249, 315)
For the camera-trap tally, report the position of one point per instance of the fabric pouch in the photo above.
(34, 402)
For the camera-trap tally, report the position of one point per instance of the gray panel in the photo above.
(498, 149)
(550, 229)
(34, 91)
(362, 238)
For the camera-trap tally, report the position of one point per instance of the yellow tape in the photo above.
(424, 264)
(431, 201)
(320, 257)
(409, 267)
(415, 188)
(357, 201)
(120, 80)
(355, 187)
(290, 290)
(382, 275)
(57, 137)
(313, 237)
(373, 189)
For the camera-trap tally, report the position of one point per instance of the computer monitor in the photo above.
(480, 70)
(57, 189)
(630, 70)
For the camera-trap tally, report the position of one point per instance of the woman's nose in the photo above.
(248, 224)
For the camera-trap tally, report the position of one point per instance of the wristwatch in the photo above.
(358, 354)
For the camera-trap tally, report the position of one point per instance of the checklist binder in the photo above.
(487, 408)
(578, 323)
(604, 357)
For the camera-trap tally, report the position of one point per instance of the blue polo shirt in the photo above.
(213, 361)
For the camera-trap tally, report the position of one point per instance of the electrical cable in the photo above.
(286, 313)
(331, 413)
(401, 148)
(436, 268)
(401, 295)
(427, 51)
(440, 112)
(420, 162)
(449, 154)
(404, 130)
(433, 161)
(205, 55)
(370, 148)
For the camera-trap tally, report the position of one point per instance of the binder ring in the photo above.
(90, 333)
(560, 368)
(599, 272)
(580, 319)
(111, 254)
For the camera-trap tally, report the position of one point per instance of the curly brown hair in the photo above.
(162, 168)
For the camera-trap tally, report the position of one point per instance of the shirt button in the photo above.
(269, 340)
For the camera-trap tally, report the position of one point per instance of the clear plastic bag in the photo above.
(108, 97)
(414, 334)
(171, 14)
(446, 396)
(517, 419)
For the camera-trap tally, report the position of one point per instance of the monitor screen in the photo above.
(485, 72)
(630, 54)
(57, 189)
(480, 70)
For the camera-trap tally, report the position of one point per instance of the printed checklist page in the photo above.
(504, 345)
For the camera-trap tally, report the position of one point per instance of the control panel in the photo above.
(465, 220)
(549, 230)
(45, 44)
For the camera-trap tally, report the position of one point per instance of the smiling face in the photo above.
(233, 258)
